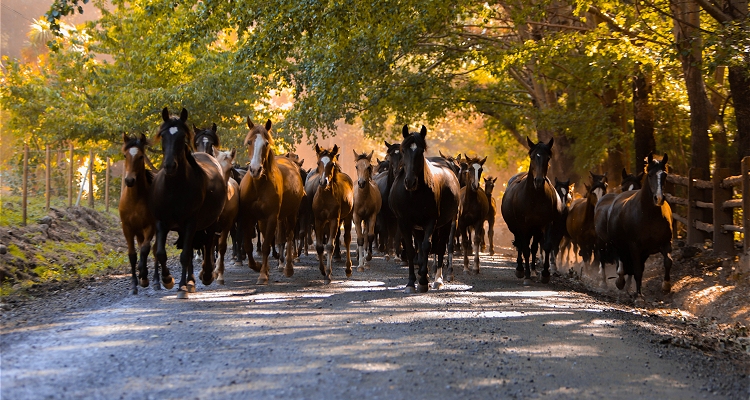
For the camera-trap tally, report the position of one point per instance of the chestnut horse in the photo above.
(472, 211)
(187, 196)
(270, 194)
(228, 216)
(489, 186)
(639, 224)
(425, 199)
(367, 203)
(332, 206)
(580, 221)
(135, 216)
(530, 206)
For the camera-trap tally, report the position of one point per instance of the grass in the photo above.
(36, 208)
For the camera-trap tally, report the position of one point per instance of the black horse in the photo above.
(386, 226)
(425, 199)
(206, 139)
(530, 206)
(188, 194)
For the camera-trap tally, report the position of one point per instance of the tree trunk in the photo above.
(615, 155)
(643, 118)
(739, 84)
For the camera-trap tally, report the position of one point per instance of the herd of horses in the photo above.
(411, 205)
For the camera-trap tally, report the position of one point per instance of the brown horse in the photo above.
(270, 194)
(386, 220)
(206, 139)
(472, 211)
(639, 224)
(489, 186)
(367, 203)
(135, 216)
(580, 221)
(333, 204)
(187, 196)
(231, 209)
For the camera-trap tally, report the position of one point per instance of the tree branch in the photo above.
(714, 11)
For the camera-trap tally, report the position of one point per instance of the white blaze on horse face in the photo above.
(256, 161)
(599, 192)
(133, 151)
(630, 187)
(173, 130)
(325, 160)
(476, 167)
(413, 146)
(205, 140)
(659, 184)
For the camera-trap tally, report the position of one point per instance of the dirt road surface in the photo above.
(482, 337)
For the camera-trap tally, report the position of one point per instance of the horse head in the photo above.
(563, 190)
(598, 185)
(259, 142)
(631, 181)
(327, 163)
(363, 163)
(475, 168)
(393, 155)
(176, 140)
(656, 171)
(540, 154)
(454, 162)
(412, 149)
(383, 165)
(206, 139)
(489, 184)
(134, 150)
(225, 159)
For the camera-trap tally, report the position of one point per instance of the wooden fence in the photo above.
(709, 208)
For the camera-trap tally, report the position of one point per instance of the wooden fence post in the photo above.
(106, 187)
(694, 235)
(47, 172)
(723, 240)
(91, 178)
(70, 177)
(25, 185)
(746, 202)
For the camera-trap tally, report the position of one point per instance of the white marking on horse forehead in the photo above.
(413, 146)
(599, 192)
(259, 142)
(631, 187)
(173, 130)
(205, 140)
(133, 151)
(396, 152)
(325, 160)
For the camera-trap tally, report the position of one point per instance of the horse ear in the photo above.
(335, 150)
(317, 148)
(213, 128)
(482, 161)
(550, 143)
(650, 157)
(458, 158)
(195, 128)
(234, 152)
(624, 173)
(144, 140)
(165, 114)
(587, 187)
(125, 137)
(494, 179)
(250, 123)
(592, 175)
(268, 125)
(405, 131)
(530, 143)
(184, 114)
(665, 159)
(369, 157)
(423, 132)
(387, 145)
(215, 152)
(355, 154)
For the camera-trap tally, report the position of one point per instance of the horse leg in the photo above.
(319, 244)
(360, 242)
(466, 247)
(451, 236)
(132, 256)
(478, 235)
(347, 243)
(638, 268)
(145, 248)
(666, 286)
(491, 234)
(269, 228)
(337, 245)
(280, 246)
(219, 271)
(424, 256)
(187, 280)
(370, 237)
(333, 228)
(519, 257)
(289, 263)
(527, 268)
(248, 233)
(409, 250)
(483, 245)
(207, 269)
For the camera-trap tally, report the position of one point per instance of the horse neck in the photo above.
(270, 163)
(427, 174)
(646, 196)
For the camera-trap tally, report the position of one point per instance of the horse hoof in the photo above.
(422, 288)
(191, 287)
(220, 281)
(369, 257)
(360, 269)
(182, 294)
(168, 282)
(327, 281)
(620, 282)
(666, 286)
(144, 282)
(519, 274)
(156, 285)
(475, 271)
(349, 273)
(288, 272)
(466, 271)
(639, 302)
(409, 290)
(437, 285)
(387, 257)
(492, 252)
(262, 280)
(545, 278)
(296, 260)
(135, 289)
(527, 282)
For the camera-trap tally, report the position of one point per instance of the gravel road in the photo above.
(482, 337)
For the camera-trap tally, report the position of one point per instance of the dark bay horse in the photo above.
(472, 211)
(580, 221)
(489, 186)
(367, 203)
(135, 216)
(640, 224)
(206, 139)
(605, 253)
(187, 196)
(425, 200)
(231, 210)
(332, 205)
(530, 206)
(270, 195)
(558, 233)
(386, 223)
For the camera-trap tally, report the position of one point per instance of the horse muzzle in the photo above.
(658, 200)
(538, 183)
(170, 167)
(129, 181)
(411, 184)
(361, 183)
(255, 172)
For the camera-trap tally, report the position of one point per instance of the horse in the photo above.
(187, 196)
(601, 214)
(231, 209)
(332, 206)
(558, 234)
(580, 221)
(640, 224)
(489, 186)
(270, 195)
(529, 206)
(425, 199)
(135, 216)
(472, 211)
(386, 223)
(367, 203)
(206, 139)
(299, 232)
